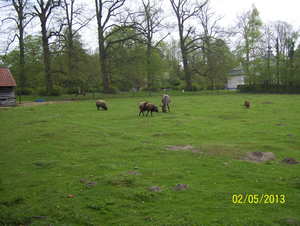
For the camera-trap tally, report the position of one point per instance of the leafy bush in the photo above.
(193, 88)
(24, 91)
(112, 90)
(174, 82)
(153, 89)
(55, 91)
(245, 88)
(265, 88)
(167, 87)
(73, 90)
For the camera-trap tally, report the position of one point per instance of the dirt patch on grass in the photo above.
(266, 102)
(280, 124)
(290, 160)
(154, 188)
(258, 156)
(91, 183)
(181, 187)
(134, 173)
(41, 103)
(182, 148)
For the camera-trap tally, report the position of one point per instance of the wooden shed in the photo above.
(7, 85)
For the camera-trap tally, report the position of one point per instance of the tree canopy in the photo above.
(135, 50)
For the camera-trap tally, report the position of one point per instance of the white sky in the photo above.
(269, 10)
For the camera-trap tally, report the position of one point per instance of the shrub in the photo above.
(112, 90)
(73, 90)
(24, 91)
(245, 88)
(193, 88)
(55, 91)
(174, 82)
(167, 87)
(153, 89)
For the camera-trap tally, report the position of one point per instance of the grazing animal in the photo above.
(101, 104)
(165, 101)
(142, 107)
(247, 104)
(145, 106)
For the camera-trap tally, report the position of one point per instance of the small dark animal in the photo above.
(142, 107)
(145, 106)
(102, 104)
(247, 104)
(165, 101)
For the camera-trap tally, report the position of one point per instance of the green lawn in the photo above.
(49, 151)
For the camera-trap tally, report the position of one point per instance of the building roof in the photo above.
(6, 78)
(238, 71)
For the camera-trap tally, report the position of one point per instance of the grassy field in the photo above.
(99, 95)
(108, 160)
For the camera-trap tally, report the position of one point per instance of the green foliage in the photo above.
(193, 88)
(266, 88)
(112, 90)
(24, 91)
(174, 82)
(73, 90)
(55, 91)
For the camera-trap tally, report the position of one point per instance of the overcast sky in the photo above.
(269, 10)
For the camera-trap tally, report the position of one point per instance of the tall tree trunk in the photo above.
(149, 71)
(103, 61)
(187, 72)
(47, 57)
(102, 51)
(22, 52)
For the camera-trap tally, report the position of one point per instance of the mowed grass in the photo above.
(48, 151)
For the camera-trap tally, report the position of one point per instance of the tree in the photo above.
(127, 61)
(186, 10)
(249, 27)
(44, 12)
(214, 59)
(34, 62)
(73, 22)
(105, 12)
(22, 19)
(285, 37)
(151, 23)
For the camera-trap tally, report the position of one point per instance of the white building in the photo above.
(237, 77)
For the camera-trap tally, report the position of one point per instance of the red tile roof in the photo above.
(6, 78)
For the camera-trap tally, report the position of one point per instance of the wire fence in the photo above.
(99, 95)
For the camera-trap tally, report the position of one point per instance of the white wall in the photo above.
(234, 81)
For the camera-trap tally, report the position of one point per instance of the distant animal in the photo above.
(101, 104)
(142, 107)
(146, 106)
(165, 101)
(247, 104)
